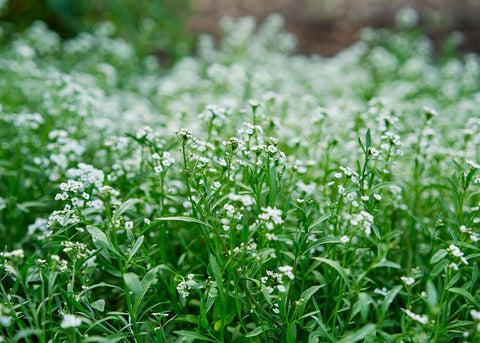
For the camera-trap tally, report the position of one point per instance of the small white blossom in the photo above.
(408, 280)
(421, 319)
(70, 321)
(453, 266)
(475, 314)
(473, 164)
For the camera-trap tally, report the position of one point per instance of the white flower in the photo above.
(475, 314)
(129, 225)
(70, 321)
(271, 148)
(271, 213)
(421, 319)
(344, 239)
(453, 266)
(472, 164)
(382, 291)
(287, 270)
(281, 288)
(377, 197)
(190, 276)
(147, 221)
(408, 280)
(271, 236)
(183, 288)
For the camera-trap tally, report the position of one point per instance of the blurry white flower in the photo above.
(421, 319)
(408, 280)
(70, 321)
(344, 239)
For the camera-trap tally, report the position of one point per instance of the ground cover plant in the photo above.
(245, 195)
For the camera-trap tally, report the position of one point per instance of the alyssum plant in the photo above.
(246, 195)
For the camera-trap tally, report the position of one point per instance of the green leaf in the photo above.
(224, 321)
(386, 264)
(259, 330)
(98, 305)
(25, 333)
(123, 207)
(464, 293)
(135, 248)
(321, 241)
(389, 299)
(194, 335)
(439, 255)
(189, 318)
(215, 267)
(273, 185)
(307, 294)
(368, 140)
(335, 265)
(133, 283)
(98, 234)
(359, 334)
(364, 302)
(383, 185)
(361, 145)
(432, 296)
(315, 335)
(148, 279)
(318, 221)
(109, 339)
(292, 333)
(184, 219)
(212, 296)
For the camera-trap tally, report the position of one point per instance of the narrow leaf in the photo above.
(464, 293)
(123, 207)
(359, 334)
(318, 221)
(335, 265)
(183, 219)
(439, 255)
(432, 296)
(135, 248)
(215, 267)
(389, 299)
(133, 283)
(258, 330)
(194, 335)
(98, 234)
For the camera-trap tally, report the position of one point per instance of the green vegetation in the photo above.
(245, 195)
(151, 27)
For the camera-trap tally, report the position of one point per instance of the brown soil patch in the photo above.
(327, 26)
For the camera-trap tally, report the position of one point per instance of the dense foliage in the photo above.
(151, 27)
(246, 195)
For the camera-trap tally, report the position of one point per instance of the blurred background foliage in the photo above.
(154, 27)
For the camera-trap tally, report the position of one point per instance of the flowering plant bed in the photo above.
(245, 195)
